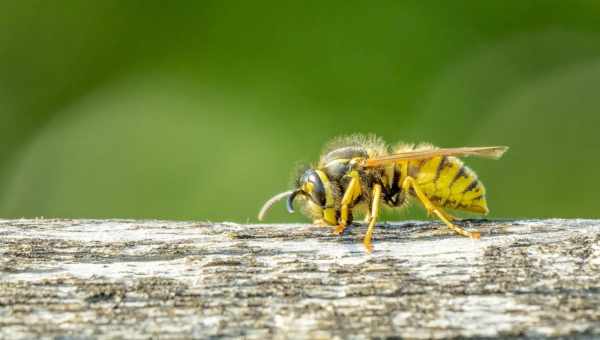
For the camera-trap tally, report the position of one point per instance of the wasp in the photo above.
(360, 174)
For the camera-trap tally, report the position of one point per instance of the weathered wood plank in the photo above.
(137, 279)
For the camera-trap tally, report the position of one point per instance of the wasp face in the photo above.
(315, 186)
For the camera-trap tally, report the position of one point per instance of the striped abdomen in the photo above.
(447, 182)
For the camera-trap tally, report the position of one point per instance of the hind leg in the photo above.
(367, 217)
(448, 216)
(410, 182)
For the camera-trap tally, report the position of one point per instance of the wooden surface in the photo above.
(139, 279)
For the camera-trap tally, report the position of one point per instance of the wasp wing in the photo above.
(493, 152)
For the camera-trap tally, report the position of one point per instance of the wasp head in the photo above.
(314, 185)
(316, 192)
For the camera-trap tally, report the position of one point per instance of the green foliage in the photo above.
(202, 110)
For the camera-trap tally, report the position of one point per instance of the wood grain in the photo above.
(141, 279)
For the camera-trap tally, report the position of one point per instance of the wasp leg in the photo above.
(374, 214)
(352, 192)
(410, 182)
(367, 216)
(448, 216)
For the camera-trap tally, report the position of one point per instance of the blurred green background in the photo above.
(202, 109)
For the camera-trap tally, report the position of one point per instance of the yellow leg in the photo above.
(410, 182)
(352, 192)
(374, 214)
(448, 216)
(367, 216)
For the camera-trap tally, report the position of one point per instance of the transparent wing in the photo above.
(493, 152)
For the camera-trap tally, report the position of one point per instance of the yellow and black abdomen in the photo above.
(448, 183)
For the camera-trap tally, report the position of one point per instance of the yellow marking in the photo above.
(445, 180)
(455, 195)
(329, 216)
(462, 182)
(308, 187)
(428, 171)
(404, 170)
(442, 184)
(479, 190)
(458, 186)
(374, 214)
(478, 206)
(426, 174)
(446, 189)
(352, 192)
(428, 187)
(410, 182)
(474, 200)
(327, 186)
(329, 211)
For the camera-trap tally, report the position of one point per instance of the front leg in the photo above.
(374, 215)
(353, 191)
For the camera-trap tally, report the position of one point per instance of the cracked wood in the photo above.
(139, 279)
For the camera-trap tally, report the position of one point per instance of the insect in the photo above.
(359, 174)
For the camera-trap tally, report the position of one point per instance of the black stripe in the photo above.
(440, 167)
(395, 181)
(471, 186)
(460, 172)
(390, 194)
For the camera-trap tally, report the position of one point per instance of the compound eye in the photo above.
(318, 196)
(314, 188)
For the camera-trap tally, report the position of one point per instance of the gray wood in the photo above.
(139, 279)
